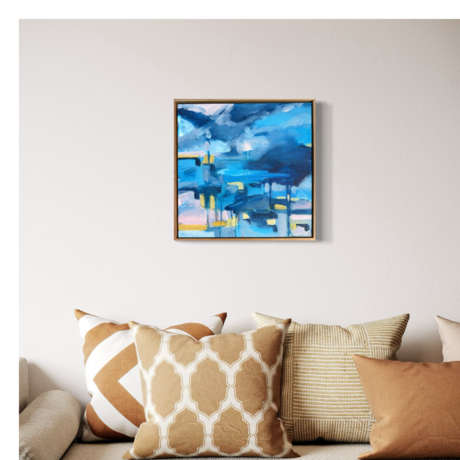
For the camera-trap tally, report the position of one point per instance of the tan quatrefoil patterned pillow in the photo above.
(214, 397)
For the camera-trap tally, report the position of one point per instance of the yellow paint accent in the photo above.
(240, 185)
(295, 199)
(307, 145)
(280, 206)
(232, 222)
(212, 202)
(293, 226)
(245, 216)
(288, 197)
(280, 197)
(188, 155)
(192, 227)
(219, 223)
(202, 200)
(271, 221)
(208, 159)
(235, 221)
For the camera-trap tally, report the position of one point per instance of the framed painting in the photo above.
(244, 170)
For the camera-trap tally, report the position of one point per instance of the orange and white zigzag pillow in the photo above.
(112, 374)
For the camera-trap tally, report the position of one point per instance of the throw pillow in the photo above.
(112, 375)
(450, 338)
(321, 396)
(417, 407)
(217, 396)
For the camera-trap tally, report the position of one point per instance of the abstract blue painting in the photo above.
(245, 169)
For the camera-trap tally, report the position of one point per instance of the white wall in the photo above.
(96, 133)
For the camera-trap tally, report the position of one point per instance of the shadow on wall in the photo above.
(423, 347)
(41, 382)
(324, 175)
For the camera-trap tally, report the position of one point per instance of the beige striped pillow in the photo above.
(321, 394)
(112, 374)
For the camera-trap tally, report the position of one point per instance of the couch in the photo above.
(49, 425)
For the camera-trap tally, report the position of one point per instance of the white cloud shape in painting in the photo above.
(208, 109)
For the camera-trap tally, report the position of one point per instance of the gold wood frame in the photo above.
(240, 101)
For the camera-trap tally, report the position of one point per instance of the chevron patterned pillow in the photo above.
(112, 374)
(321, 394)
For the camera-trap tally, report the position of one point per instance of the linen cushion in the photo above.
(218, 396)
(48, 425)
(450, 338)
(417, 407)
(112, 374)
(115, 450)
(321, 395)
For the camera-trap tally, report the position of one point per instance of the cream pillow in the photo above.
(321, 395)
(450, 338)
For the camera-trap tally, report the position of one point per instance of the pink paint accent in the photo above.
(192, 213)
(301, 204)
(300, 217)
(188, 198)
(196, 216)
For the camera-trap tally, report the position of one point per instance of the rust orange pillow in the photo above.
(213, 397)
(417, 407)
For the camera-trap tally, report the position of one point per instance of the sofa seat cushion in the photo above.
(97, 450)
(313, 451)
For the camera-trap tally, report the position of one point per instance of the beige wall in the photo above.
(96, 127)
